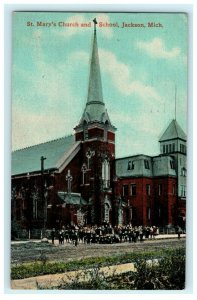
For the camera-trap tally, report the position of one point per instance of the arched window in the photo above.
(106, 173)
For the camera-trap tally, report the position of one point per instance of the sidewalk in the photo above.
(157, 237)
(55, 280)
(169, 236)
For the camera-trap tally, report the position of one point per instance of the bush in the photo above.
(165, 273)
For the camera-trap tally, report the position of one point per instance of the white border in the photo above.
(5, 31)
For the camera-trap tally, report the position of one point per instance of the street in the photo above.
(32, 251)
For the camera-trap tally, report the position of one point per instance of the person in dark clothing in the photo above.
(53, 235)
(61, 237)
(179, 231)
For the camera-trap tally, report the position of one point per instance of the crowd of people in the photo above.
(105, 234)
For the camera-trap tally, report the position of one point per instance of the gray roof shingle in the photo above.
(27, 160)
(173, 131)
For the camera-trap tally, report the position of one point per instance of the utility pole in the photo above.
(43, 198)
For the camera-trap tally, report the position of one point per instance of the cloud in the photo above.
(143, 128)
(148, 123)
(157, 49)
(48, 84)
(122, 78)
(31, 128)
(45, 107)
(79, 56)
(120, 74)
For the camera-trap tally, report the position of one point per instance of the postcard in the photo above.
(99, 150)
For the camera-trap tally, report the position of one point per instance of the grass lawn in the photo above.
(168, 274)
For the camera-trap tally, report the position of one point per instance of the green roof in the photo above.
(72, 198)
(27, 160)
(173, 131)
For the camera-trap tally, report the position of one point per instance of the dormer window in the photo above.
(146, 164)
(130, 165)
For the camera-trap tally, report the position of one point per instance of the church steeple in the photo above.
(95, 93)
(95, 110)
(97, 136)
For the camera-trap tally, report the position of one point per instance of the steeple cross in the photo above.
(69, 179)
(95, 22)
(84, 170)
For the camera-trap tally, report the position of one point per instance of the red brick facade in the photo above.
(143, 200)
(151, 201)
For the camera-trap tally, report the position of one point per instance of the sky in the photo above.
(143, 70)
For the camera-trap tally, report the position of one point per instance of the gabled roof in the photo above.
(173, 131)
(57, 152)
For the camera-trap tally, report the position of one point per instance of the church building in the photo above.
(77, 179)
